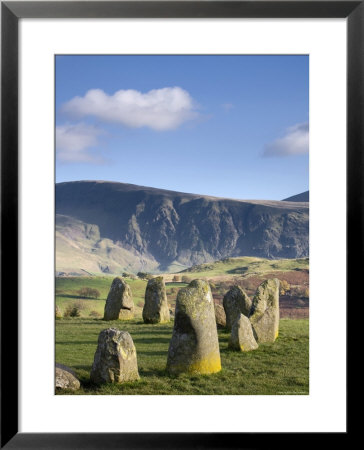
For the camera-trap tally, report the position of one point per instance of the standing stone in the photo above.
(65, 378)
(242, 337)
(235, 302)
(119, 302)
(156, 309)
(115, 359)
(194, 347)
(220, 316)
(264, 314)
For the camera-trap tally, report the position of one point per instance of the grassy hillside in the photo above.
(246, 272)
(80, 250)
(246, 266)
(273, 369)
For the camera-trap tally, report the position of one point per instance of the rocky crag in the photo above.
(109, 227)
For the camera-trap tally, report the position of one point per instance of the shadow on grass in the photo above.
(82, 367)
(223, 339)
(160, 373)
(152, 340)
(78, 297)
(89, 386)
(77, 342)
(229, 351)
(155, 331)
(155, 353)
(238, 270)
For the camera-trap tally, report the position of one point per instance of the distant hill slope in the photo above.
(81, 250)
(247, 265)
(110, 227)
(303, 197)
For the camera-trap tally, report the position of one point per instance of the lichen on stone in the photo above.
(194, 347)
(264, 315)
(115, 359)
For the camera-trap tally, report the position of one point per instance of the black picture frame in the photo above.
(11, 12)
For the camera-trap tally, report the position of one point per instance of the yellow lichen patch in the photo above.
(122, 352)
(201, 367)
(242, 348)
(276, 335)
(206, 365)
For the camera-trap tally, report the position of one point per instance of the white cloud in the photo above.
(158, 109)
(73, 142)
(295, 142)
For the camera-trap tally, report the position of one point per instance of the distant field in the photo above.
(272, 369)
(245, 266)
(247, 272)
(67, 293)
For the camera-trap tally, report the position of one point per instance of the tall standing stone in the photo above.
(235, 302)
(194, 347)
(156, 309)
(242, 337)
(264, 314)
(115, 359)
(119, 302)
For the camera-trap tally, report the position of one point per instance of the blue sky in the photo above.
(229, 126)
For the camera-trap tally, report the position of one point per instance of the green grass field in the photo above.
(66, 293)
(279, 368)
(272, 369)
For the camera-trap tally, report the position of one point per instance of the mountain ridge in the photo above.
(143, 228)
(302, 197)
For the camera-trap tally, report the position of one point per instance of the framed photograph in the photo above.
(181, 194)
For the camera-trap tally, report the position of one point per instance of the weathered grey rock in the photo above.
(194, 347)
(242, 337)
(235, 302)
(115, 359)
(119, 302)
(220, 316)
(65, 378)
(264, 313)
(156, 309)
